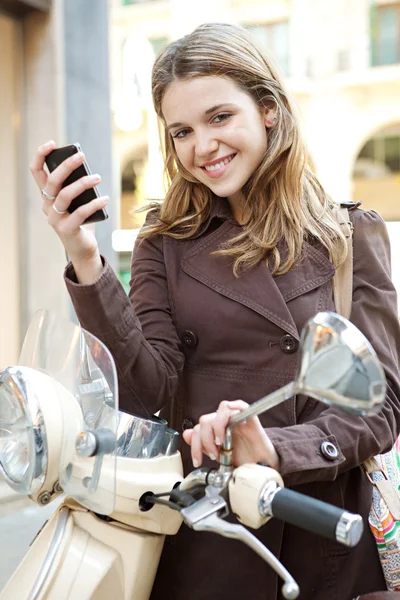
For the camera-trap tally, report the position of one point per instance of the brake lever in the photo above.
(205, 515)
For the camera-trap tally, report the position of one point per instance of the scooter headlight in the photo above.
(23, 445)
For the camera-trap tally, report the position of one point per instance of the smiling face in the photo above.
(219, 132)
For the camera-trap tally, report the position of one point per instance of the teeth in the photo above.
(219, 165)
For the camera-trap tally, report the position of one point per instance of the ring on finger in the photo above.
(59, 212)
(48, 196)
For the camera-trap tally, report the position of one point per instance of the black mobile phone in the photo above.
(54, 159)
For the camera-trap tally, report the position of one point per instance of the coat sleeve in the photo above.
(375, 313)
(139, 330)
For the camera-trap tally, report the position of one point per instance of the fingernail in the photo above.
(217, 441)
(78, 157)
(195, 463)
(212, 456)
(104, 199)
(95, 177)
(49, 144)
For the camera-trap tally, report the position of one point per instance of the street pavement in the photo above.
(20, 520)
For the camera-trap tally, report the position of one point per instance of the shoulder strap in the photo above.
(343, 278)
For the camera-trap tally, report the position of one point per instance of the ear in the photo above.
(270, 117)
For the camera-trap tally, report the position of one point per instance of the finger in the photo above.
(208, 436)
(224, 413)
(37, 164)
(76, 219)
(238, 406)
(57, 177)
(221, 423)
(187, 436)
(73, 190)
(196, 448)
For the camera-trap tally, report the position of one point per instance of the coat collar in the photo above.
(256, 288)
(219, 209)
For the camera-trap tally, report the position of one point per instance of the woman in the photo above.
(225, 275)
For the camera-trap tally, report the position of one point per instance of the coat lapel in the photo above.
(312, 271)
(256, 288)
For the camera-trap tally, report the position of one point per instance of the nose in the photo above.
(206, 144)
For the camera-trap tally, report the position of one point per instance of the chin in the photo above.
(226, 191)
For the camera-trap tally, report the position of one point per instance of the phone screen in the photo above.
(54, 159)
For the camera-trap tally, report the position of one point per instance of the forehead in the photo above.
(186, 99)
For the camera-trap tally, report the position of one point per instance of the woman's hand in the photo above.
(79, 242)
(250, 440)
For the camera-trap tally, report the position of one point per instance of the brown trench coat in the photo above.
(192, 331)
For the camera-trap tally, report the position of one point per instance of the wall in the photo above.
(9, 176)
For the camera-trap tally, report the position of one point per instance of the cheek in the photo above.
(183, 156)
(252, 137)
(260, 141)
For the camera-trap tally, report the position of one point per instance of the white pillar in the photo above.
(10, 118)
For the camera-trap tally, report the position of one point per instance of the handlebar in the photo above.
(256, 493)
(311, 514)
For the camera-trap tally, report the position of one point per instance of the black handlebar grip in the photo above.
(316, 516)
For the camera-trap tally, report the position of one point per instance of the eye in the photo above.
(181, 134)
(221, 117)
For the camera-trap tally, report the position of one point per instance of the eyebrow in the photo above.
(207, 112)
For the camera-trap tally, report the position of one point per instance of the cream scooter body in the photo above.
(97, 559)
(80, 555)
(61, 430)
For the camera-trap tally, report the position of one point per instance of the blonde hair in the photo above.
(283, 198)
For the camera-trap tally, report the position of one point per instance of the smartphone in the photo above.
(54, 159)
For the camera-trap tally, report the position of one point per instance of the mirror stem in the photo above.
(265, 403)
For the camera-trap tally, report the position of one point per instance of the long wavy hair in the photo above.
(283, 198)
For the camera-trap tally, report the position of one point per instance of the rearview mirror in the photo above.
(337, 365)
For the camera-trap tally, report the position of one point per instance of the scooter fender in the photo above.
(94, 560)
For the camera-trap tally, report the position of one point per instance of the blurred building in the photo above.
(54, 84)
(341, 61)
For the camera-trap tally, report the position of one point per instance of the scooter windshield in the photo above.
(84, 366)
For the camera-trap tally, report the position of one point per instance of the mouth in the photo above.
(218, 167)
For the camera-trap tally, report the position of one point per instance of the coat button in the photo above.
(329, 450)
(186, 424)
(189, 339)
(288, 344)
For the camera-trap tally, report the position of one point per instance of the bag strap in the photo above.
(343, 278)
(385, 487)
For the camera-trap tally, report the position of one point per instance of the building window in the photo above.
(273, 38)
(385, 34)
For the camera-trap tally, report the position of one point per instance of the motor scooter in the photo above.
(61, 433)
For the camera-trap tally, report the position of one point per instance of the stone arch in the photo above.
(376, 170)
(374, 128)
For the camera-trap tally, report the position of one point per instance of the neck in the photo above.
(237, 202)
